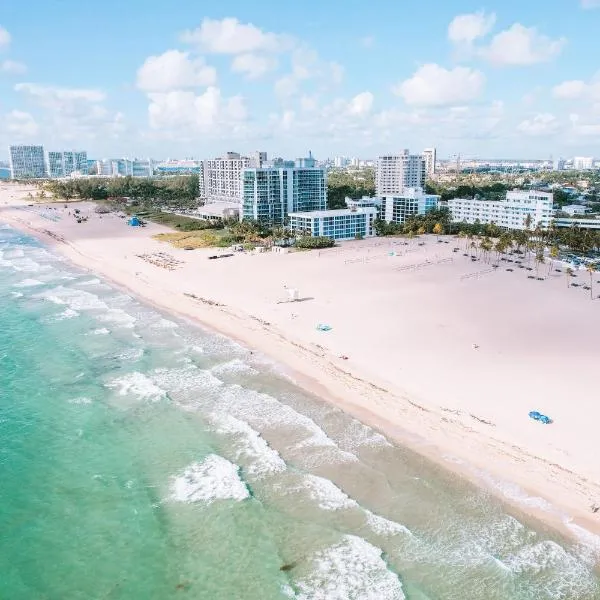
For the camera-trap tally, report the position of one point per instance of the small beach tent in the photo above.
(134, 222)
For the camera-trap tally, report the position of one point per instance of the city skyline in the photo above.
(497, 80)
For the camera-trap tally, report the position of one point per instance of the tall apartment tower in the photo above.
(62, 164)
(271, 193)
(395, 172)
(221, 178)
(430, 156)
(27, 162)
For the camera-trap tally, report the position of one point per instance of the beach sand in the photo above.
(442, 354)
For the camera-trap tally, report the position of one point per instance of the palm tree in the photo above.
(591, 269)
(554, 253)
(539, 259)
(569, 273)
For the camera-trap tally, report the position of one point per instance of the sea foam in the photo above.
(249, 444)
(215, 478)
(351, 569)
(137, 384)
(327, 494)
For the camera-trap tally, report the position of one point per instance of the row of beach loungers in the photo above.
(161, 259)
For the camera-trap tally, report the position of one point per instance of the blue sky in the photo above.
(138, 78)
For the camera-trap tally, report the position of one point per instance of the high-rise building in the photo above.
(258, 159)
(27, 162)
(62, 164)
(559, 164)
(513, 212)
(583, 163)
(395, 172)
(270, 194)
(430, 156)
(221, 178)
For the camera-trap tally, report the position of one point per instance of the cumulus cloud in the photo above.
(253, 66)
(12, 67)
(465, 29)
(4, 38)
(174, 70)
(433, 85)
(307, 65)
(520, 46)
(229, 36)
(539, 125)
(184, 110)
(21, 124)
(72, 113)
(578, 90)
(584, 126)
(361, 104)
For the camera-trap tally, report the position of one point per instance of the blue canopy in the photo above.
(134, 221)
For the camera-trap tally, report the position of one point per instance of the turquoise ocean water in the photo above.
(143, 458)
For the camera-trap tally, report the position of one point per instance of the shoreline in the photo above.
(442, 439)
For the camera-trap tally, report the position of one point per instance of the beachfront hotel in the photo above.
(354, 222)
(63, 164)
(511, 212)
(27, 162)
(408, 203)
(271, 193)
(221, 178)
(396, 172)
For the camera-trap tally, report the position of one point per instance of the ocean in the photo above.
(142, 457)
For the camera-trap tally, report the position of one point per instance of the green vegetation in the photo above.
(175, 192)
(308, 242)
(353, 184)
(179, 221)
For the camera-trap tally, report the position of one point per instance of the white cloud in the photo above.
(253, 65)
(12, 67)
(433, 85)
(590, 3)
(4, 38)
(229, 36)
(181, 110)
(307, 65)
(367, 41)
(361, 104)
(21, 124)
(540, 124)
(465, 29)
(521, 45)
(578, 90)
(72, 113)
(581, 126)
(569, 89)
(174, 70)
(53, 97)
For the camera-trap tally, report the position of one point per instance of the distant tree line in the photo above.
(351, 184)
(180, 191)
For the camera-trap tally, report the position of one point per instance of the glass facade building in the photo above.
(62, 164)
(27, 162)
(413, 201)
(341, 224)
(270, 194)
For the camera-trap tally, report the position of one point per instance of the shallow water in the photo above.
(141, 457)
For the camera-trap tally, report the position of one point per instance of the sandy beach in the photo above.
(438, 352)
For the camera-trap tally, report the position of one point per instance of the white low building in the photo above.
(398, 208)
(513, 212)
(574, 209)
(341, 224)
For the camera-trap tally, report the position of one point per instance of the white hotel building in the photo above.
(395, 172)
(511, 212)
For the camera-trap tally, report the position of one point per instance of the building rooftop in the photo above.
(338, 212)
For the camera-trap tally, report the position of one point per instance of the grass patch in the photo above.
(208, 238)
(180, 222)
